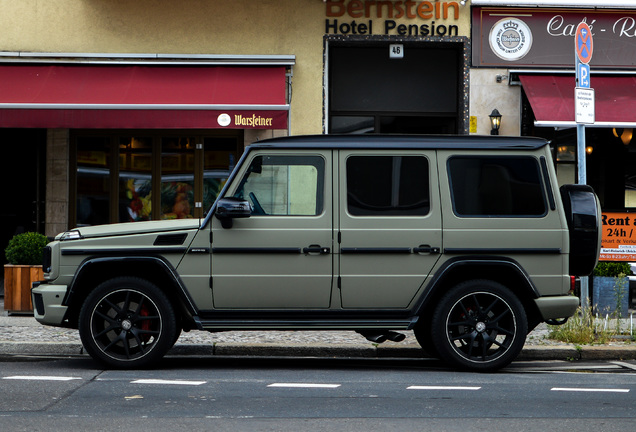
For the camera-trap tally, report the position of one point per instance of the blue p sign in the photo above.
(583, 75)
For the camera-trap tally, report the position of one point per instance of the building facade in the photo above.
(116, 111)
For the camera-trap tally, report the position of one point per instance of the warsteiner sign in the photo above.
(359, 17)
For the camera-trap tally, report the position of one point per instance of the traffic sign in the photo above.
(584, 105)
(583, 75)
(583, 43)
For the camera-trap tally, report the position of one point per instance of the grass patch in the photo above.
(583, 328)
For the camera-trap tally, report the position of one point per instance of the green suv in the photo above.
(466, 240)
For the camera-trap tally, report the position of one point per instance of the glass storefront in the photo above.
(133, 177)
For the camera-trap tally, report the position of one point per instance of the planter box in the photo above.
(17, 286)
(604, 296)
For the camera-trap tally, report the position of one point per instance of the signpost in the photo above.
(584, 94)
(584, 110)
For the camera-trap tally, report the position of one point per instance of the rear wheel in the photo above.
(127, 322)
(479, 325)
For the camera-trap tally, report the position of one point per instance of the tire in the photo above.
(480, 326)
(127, 322)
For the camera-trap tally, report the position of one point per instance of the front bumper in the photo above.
(557, 306)
(47, 303)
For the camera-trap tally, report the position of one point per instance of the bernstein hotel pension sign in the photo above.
(392, 18)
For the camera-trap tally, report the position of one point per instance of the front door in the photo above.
(281, 256)
(389, 226)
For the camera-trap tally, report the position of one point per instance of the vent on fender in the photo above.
(170, 239)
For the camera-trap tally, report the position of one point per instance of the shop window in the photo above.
(135, 179)
(496, 187)
(284, 185)
(93, 181)
(219, 158)
(387, 186)
(177, 177)
(140, 177)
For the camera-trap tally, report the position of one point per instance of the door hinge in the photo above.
(210, 282)
(339, 282)
(339, 237)
(211, 236)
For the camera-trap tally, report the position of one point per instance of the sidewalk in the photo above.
(23, 335)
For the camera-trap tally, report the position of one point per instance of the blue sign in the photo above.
(583, 75)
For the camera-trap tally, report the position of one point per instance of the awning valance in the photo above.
(80, 96)
(552, 100)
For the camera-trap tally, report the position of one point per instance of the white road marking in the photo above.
(167, 382)
(304, 385)
(590, 390)
(625, 365)
(443, 388)
(41, 378)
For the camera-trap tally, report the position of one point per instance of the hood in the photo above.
(129, 228)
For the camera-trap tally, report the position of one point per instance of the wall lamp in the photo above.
(624, 134)
(495, 122)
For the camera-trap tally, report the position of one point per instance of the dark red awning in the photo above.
(143, 97)
(552, 99)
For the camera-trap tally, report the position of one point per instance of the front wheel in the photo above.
(480, 326)
(127, 322)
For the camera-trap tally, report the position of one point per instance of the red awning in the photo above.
(552, 99)
(143, 97)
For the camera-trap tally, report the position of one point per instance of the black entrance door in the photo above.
(369, 92)
(22, 176)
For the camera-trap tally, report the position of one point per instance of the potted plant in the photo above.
(610, 293)
(24, 254)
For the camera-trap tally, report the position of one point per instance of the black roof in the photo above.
(378, 141)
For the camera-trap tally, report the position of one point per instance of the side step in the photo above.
(371, 326)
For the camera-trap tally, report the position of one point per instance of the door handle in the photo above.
(425, 249)
(316, 249)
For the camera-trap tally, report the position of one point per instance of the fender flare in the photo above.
(446, 275)
(172, 275)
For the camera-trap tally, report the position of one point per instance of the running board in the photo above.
(310, 324)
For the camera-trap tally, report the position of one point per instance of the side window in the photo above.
(496, 187)
(284, 185)
(387, 186)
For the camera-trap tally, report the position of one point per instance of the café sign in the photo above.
(506, 36)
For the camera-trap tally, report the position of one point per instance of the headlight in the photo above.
(71, 235)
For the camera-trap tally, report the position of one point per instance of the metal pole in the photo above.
(582, 179)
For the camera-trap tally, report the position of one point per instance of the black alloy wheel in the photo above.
(480, 326)
(127, 323)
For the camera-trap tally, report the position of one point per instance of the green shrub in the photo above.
(26, 249)
(612, 269)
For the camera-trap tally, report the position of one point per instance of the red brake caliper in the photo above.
(145, 324)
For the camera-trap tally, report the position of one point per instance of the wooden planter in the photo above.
(17, 286)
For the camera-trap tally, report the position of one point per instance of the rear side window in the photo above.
(496, 187)
(387, 186)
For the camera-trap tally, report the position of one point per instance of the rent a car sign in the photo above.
(619, 237)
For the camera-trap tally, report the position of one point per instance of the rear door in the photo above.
(389, 226)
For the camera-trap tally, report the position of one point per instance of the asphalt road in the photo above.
(314, 394)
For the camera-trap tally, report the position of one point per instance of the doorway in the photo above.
(421, 93)
(22, 175)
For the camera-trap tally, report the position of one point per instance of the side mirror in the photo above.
(229, 208)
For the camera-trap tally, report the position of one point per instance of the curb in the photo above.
(540, 352)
